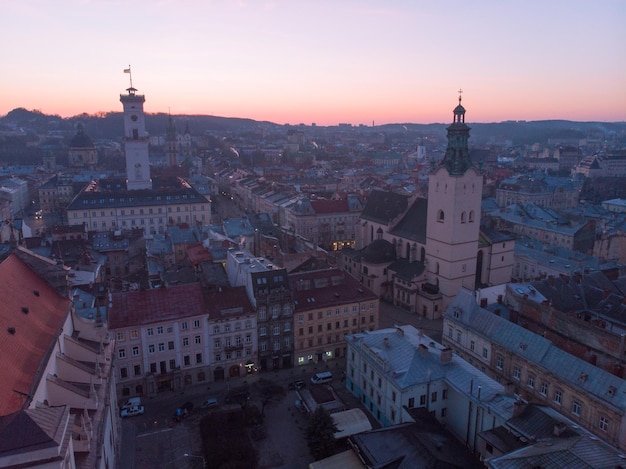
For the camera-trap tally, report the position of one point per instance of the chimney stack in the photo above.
(423, 349)
(446, 355)
(518, 407)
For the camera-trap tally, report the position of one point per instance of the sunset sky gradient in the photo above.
(319, 61)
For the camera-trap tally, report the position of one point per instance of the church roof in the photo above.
(383, 206)
(32, 314)
(379, 252)
(81, 139)
(413, 224)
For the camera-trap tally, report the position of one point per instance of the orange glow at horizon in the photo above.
(324, 62)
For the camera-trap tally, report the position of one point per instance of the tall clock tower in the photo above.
(453, 224)
(135, 141)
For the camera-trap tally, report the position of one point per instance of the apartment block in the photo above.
(537, 370)
(329, 304)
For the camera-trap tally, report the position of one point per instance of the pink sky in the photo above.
(354, 61)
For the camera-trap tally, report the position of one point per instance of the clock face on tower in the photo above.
(133, 118)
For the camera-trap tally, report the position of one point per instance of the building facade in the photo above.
(395, 370)
(137, 201)
(329, 304)
(267, 288)
(536, 370)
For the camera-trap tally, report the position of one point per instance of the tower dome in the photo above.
(81, 139)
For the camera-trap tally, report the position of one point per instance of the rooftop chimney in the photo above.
(518, 407)
(559, 428)
(423, 350)
(446, 355)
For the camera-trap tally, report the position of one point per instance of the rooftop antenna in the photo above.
(127, 70)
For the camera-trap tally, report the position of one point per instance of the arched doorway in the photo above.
(218, 374)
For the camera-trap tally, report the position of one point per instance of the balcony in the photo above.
(430, 291)
(233, 347)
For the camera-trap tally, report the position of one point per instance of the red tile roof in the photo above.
(34, 313)
(227, 299)
(198, 253)
(324, 288)
(138, 308)
(330, 206)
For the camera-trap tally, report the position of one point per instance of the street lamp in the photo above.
(193, 456)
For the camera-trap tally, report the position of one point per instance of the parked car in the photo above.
(210, 402)
(300, 406)
(132, 411)
(295, 385)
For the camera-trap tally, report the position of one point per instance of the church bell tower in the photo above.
(454, 210)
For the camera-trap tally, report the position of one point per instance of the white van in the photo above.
(323, 377)
(132, 402)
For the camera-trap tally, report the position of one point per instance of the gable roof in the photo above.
(382, 207)
(31, 317)
(413, 224)
(33, 429)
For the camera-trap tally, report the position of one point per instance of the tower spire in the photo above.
(456, 159)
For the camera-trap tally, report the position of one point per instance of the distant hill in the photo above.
(110, 126)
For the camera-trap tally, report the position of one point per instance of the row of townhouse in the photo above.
(170, 338)
(536, 369)
(173, 337)
(535, 223)
(539, 189)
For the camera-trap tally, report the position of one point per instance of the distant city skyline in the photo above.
(323, 62)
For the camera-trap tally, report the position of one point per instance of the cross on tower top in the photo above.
(460, 93)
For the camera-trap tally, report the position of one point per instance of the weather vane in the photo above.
(127, 70)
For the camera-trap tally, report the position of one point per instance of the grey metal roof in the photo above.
(406, 365)
(538, 350)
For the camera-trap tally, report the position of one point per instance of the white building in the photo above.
(132, 203)
(391, 370)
